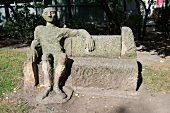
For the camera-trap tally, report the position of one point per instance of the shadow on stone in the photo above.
(140, 79)
(35, 71)
(65, 76)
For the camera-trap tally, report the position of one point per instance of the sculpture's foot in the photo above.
(59, 97)
(60, 94)
(43, 94)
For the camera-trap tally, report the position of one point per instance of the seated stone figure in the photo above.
(111, 69)
(49, 38)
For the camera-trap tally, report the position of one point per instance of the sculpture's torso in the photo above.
(50, 39)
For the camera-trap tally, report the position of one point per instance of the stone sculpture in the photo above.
(49, 38)
(108, 68)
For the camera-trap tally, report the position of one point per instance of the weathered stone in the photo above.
(107, 74)
(48, 45)
(104, 73)
(109, 46)
(111, 65)
(128, 43)
(105, 46)
(30, 72)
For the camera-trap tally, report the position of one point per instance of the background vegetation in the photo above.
(21, 24)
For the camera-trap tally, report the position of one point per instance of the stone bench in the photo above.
(109, 46)
(112, 66)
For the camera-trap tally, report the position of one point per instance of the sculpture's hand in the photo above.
(89, 44)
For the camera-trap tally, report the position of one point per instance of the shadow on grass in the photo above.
(157, 42)
(140, 79)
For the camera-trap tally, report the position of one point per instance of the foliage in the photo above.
(92, 27)
(119, 13)
(132, 19)
(22, 26)
(160, 18)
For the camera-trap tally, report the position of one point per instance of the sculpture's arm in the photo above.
(89, 42)
(35, 43)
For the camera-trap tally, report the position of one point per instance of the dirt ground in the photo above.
(146, 102)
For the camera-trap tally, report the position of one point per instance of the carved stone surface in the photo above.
(30, 75)
(111, 65)
(105, 46)
(105, 73)
(128, 43)
(110, 46)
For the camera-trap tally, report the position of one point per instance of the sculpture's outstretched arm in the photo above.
(89, 42)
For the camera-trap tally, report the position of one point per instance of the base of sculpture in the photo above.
(98, 92)
(104, 73)
(55, 98)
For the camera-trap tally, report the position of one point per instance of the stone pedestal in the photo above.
(30, 72)
(104, 73)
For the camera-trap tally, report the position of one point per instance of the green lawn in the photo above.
(11, 62)
(157, 79)
(11, 66)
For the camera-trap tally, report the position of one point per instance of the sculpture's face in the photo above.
(49, 14)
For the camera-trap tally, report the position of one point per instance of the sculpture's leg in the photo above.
(59, 71)
(47, 70)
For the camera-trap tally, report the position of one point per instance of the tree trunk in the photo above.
(144, 24)
(112, 22)
(7, 15)
(139, 20)
(146, 16)
(167, 18)
(7, 5)
(124, 8)
(69, 12)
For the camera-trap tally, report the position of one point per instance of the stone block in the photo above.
(30, 72)
(128, 44)
(112, 66)
(105, 46)
(104, 73)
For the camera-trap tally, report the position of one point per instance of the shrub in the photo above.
(22, 25)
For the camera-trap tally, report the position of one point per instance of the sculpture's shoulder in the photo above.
(65, 29)
(39, 28)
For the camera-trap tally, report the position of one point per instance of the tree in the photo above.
(7, 5)
(139, 20)
(113, 23)
(166, 17)
(147, 10)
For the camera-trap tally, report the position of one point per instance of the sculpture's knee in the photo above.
(47, 57)
(62, 59)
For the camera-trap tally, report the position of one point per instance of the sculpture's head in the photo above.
(49, 14)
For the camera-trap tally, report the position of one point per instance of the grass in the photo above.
(14, 106)
(157, 79)
(11, 62)
(11, 66)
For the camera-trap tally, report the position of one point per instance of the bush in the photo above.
(21, 26)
